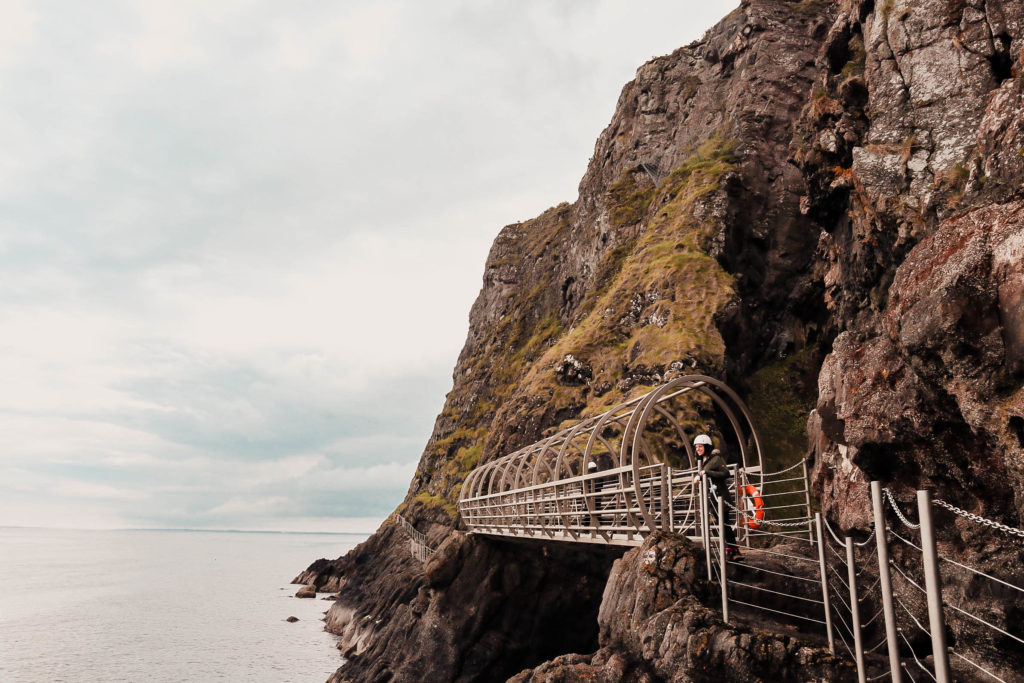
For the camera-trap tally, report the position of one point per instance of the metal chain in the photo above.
(866, 540)
(979, 519)
(767, 522)
(899, 513)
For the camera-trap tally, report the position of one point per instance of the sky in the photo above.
(239, 239)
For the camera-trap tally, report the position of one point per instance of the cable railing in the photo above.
(418, 546)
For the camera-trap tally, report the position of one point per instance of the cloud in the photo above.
(240, 240)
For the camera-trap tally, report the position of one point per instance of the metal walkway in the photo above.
(616, 477)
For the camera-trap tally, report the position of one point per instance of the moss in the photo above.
(668, 268)
(810, 8)
(781, 398)
(438, 502)
(628, 201)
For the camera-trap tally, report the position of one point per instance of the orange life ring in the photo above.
(752, 505)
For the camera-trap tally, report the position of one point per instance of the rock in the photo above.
(307, 591)
(832, 186)
(292, 620)
(573, 372)
(654, 627)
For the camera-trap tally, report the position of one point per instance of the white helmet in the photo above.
(702, 439)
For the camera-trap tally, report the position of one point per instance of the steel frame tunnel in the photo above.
(627, 440)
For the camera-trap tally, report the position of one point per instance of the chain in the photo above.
(979, 519)
(899, 513)
(766, 522)
(866, 540)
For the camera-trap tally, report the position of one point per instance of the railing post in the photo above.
(933, 585)
(858, 641)
(671, 499)
(665, 498)
(741, 526)
(807, 495)
(721, 558)
(705, 527)
(824, 583)
(885, 583)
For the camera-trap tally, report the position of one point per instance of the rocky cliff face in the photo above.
(818, 202)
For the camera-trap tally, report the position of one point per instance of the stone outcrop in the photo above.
(655, 628)
(818, 202)
(476, 610)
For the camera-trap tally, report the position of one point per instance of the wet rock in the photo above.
(306, 591)
(292, 620)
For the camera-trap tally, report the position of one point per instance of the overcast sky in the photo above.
(239, 239)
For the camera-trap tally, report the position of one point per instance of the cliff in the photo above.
(819, 203)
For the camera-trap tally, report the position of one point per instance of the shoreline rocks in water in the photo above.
(308, 591)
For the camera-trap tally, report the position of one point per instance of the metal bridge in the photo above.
(616, 477)
(619, 476)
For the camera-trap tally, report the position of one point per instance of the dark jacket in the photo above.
(716, 470)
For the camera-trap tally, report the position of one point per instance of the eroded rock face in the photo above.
(912, 149)
(476, 610)
(834, 182)
(655, 628)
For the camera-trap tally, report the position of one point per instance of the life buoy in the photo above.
(752, 505)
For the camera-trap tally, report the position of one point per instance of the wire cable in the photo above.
(977, 666)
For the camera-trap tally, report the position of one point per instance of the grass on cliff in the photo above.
(654, 300)
(667, 273)
(782, 396)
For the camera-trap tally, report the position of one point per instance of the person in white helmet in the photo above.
(712, 465)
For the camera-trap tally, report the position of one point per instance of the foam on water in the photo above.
(161, 606)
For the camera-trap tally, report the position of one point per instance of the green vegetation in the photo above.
(681, 288)
(781, 397)
(653, 301)
(629, 202)
(439, 502)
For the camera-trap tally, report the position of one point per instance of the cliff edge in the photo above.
(818, 202)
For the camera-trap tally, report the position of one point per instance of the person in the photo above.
(712, 465)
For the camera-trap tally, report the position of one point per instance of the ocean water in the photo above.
(162, 606)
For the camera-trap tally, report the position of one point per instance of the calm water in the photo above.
(161, 606)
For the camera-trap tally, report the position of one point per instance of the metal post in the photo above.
(671, 499)
(807, 496)
(741, 525)
(933, 584)
(721, 557)
(885, 583)
(705, 527)
(824, 583)
(858, 641)
(666, 524)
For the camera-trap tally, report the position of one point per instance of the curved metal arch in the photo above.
(523, 486)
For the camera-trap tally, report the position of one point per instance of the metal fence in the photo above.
(611, 478)
(418, 546)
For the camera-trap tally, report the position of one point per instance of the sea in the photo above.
(154, 605)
